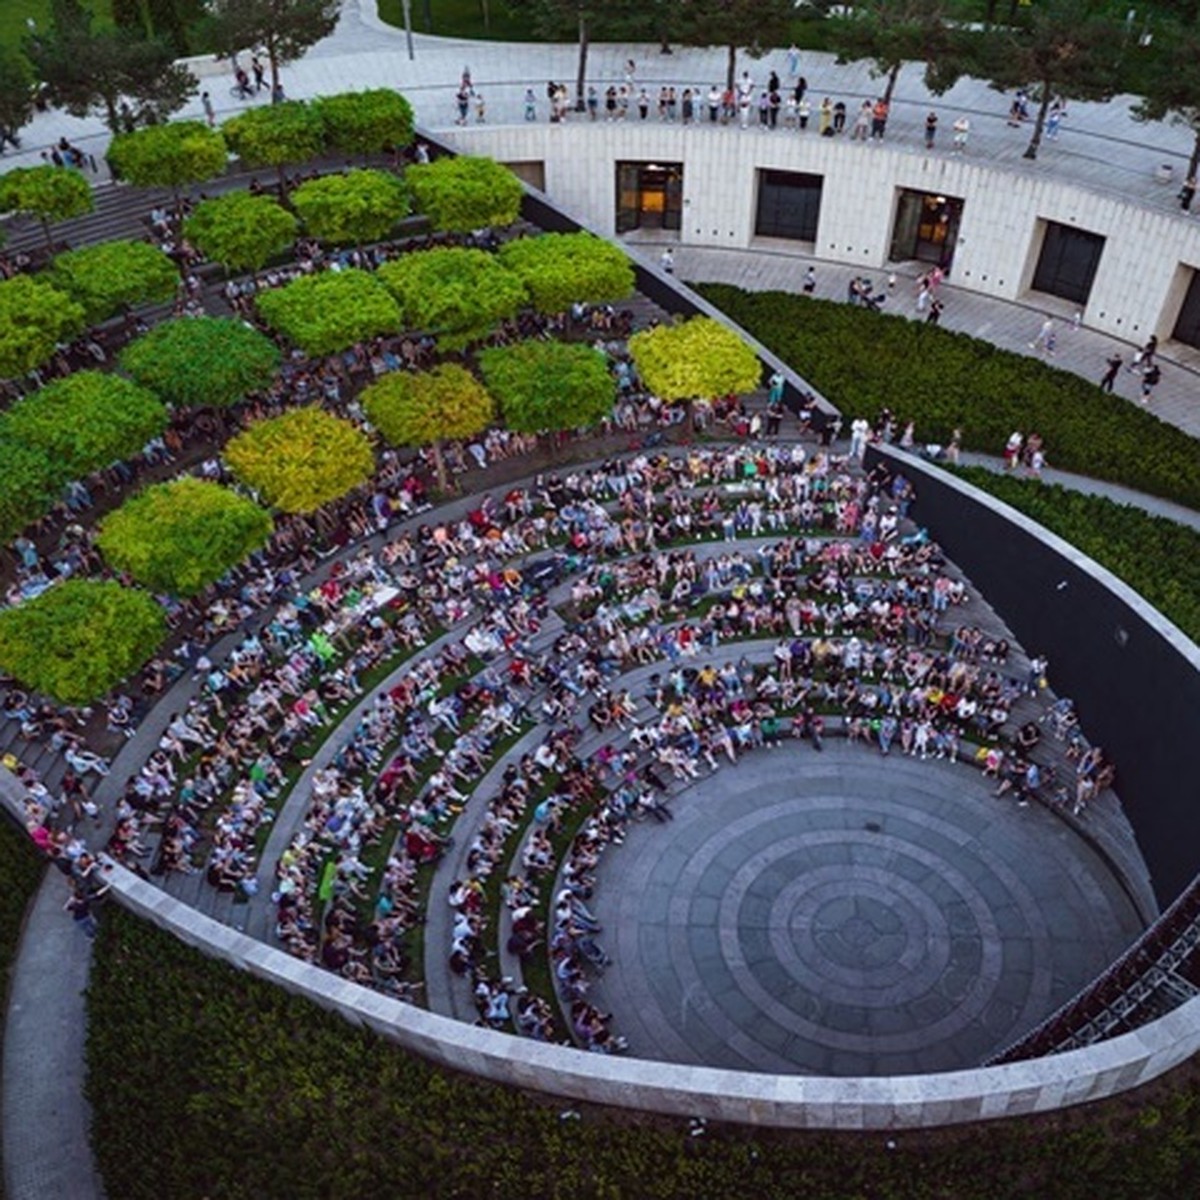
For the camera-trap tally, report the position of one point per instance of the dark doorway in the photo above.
(789, 205)
(1187, 326)
(926, 228)
(649, 196)
(1068, 261)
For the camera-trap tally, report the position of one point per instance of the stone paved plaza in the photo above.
(843, 914)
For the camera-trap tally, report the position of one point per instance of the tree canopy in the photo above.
(173, 155)
(86, 421)
(462, 194)
(301, 460)
(428, 408)
(16, 93)
(325, 313)
(548, 385)
(357, 207)
(276, 134)
(29, 486)
(560, 269)
(179, 537)
(49, 193)
(755, 24)
(1071, 48)
(132, 79)
(109, 276)
(695, 359)
(366, 122)
(241, 231)
(80, 639)
(1173, 92)
(284, 29)
(191, 362)
(34, 318)
(459, 295)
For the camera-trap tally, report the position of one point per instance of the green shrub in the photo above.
(302, 459)
(241, 231)
(695, 359)
(560, 269)
(245, 1091)
(357, 207)
(462, 194)
(110, 276)
(196, 361)
(86, 421)
(80, 639)
(34, 318)
(29, 485)
(366, 122)
(863, 361)
(326, 313)
(179, 537)
(548, 385)
(459, 295)
(1157, 557)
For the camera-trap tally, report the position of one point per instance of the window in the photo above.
(789, 205)
(1067, 263)
(1187, 327)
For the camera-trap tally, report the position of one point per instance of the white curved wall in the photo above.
(1143, 272)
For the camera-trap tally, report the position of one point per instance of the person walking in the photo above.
(667, 261)
(1150, 380)
(530, 105)
(1187, 194)
(810, 281)
(936, 308)
(962, 131)
(210, 113)
(1044, 334)
(1111, 366)
(931, 124)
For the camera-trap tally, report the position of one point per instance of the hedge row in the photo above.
(1156, 556)
(864, 361)
(206, 1082)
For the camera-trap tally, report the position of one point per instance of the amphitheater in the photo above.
(808, 937)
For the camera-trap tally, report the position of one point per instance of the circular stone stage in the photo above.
(845, 914)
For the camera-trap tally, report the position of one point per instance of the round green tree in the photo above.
(110, 276)
(240, 231)
(357, 207)
(548, 385)
(172, 155)
(366, 122)
(275, 135)
(302, 459)
(192, 362)
(179, 537)
(457, 294)
(326, 313)
(34, 318)
(462, 194)
(86, 421)
(428, 408)
(695, 359)
(560, 269)
(80, 639)
(49, 193)
(29, 485)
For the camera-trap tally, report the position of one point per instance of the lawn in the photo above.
(14, 15)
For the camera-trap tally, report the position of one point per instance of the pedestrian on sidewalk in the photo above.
(1150, 379)
(79, 905)
(1112, 366)
(260, 73)
(667, 261)
(1012, 450)
(531, 105)
(1044, 334)
(962, 131)
(810, 281)
(931, 124)
(210, 113)
(935, 313)
(1187, 194)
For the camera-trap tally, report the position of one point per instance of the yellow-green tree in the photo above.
(696, 359)
(561, 269)
(301, 460)
(428, 408)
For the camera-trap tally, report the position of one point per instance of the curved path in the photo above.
(839, 914)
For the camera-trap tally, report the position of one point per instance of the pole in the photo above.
(408, 27)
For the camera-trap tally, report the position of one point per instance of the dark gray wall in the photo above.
(1138, 696)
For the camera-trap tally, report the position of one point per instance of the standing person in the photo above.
(643, 103)
(1012, 450)
(924, 293)
(1150, 378)
(667, 261)
(935, 313)
(810, 281)
(593, 103)
(530, 105)
(714, 104)
(839, 117)
(1187, 194)
(825, 118)
(793, 61)
(1111, 366)
(775, 395)
(462, 99)
(1053, 121)
(879, 119)
(931, 124)
(1044, 334)
(210, 114)
(803, 108)
(862, 123)
(962, 131)
(260, 74)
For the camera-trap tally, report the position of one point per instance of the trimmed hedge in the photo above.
(244, 1091)
(80, 639)
(1156, 556)
(325, 313)
(110, 276)
(179, 537)
(560, 269)
(941, 380)
(544, 386)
